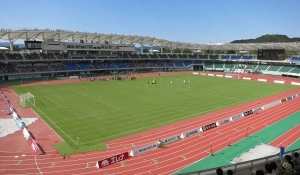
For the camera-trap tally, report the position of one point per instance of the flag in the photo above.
(280, 154)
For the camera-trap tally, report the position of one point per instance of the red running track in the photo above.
(287, 138)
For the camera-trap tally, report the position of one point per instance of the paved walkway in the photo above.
(223, 157)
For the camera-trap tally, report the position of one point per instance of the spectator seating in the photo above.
(225, 57)
(2, 56)
(77, 57)
(99, 66)
(7, 68)
(134, 56)
(173, 56)
(213, 57)
(144, 56)
(274, 68)
(42, 68)
(295, 70)
(203, 57)
(58, 67)
(153, 56)
(31, 56)
(110, 65)
(178, 64)
(228, 65)
(72, 66)
(83, 66)
(247, 57)
(163, 56)
(193, 56)
(14, 56)
(235, 57)
(182, 56)
(295, 59)
(219, 66)
(90, 57)
(25, 68)
(197, 62)
(113, 57)
(209, 65)
(170, 64)
(262, 67)
(285, 69)
(121, 65)
(62, 56)
(187, 63)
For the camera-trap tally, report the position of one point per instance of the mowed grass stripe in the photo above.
(138, 106)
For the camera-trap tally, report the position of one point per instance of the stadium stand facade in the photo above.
(56, 53)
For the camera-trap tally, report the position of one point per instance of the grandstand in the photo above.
(99, 56)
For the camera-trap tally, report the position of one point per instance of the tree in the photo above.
(165, 50)
(145, 51)
(176, 50)
(15, 48)
(187, 51)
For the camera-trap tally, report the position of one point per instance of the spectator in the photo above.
(274, 168)
(288, 159)
(219, 171)
(229, 172)
(296, 162)
(259, 172)
(286, 169)
(268, 168)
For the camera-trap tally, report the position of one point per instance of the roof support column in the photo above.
(142, 48)
(11, 45)
(151, 46)
(161, 49)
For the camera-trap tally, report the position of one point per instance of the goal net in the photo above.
(27, 100)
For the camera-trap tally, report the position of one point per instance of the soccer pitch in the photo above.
(100, 111)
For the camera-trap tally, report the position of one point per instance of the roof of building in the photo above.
(76, 36)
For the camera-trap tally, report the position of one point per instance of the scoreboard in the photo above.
(270, 54)
(33, 45)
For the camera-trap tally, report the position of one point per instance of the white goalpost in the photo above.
(27, 100)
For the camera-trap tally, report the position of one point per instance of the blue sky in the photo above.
(196, 21)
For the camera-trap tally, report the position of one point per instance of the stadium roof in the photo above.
(76, 36)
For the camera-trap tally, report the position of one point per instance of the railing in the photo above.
(244, 168)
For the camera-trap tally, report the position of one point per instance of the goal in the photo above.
(27, 100)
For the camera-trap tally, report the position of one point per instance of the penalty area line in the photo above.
(53, 101)
(94, 99)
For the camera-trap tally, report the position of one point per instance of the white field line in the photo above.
(86, 115)
(220, 107)
(51, 121)
(94, 99)
(53, 101)
(38, 166)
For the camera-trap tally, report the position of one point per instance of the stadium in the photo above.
(89, 103)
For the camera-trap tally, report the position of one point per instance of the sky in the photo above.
(194, 21)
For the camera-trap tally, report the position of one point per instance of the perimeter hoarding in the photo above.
(35, 147)
(143, 149)
(112, 160)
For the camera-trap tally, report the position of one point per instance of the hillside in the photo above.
(268, 38)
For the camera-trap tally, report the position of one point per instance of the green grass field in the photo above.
(99, 111)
